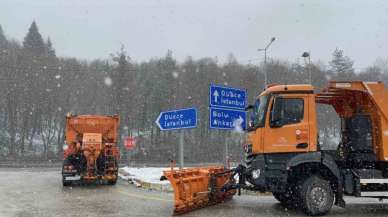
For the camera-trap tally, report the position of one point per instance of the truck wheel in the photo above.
(112, 182)
(287, 199)
(316, 196)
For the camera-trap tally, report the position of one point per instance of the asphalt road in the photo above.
(39, 192)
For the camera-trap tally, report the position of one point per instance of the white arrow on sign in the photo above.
(238, 121)
(216, 95)
(158, 120)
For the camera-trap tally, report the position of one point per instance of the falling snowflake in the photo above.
(175, 75)
(108, 81)
(237, 123)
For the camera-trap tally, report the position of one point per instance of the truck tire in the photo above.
(112, 182)
(316, 196)
(287, 199)
(64, 182)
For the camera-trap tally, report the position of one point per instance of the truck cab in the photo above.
(284, 120)
(283, 156)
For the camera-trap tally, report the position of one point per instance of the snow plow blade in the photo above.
(199, 187)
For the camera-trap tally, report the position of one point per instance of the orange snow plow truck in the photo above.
(283, 155)
(91, 153)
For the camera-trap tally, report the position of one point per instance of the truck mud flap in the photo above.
(199, 187)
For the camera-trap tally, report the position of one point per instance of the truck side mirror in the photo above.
(277, 112)
(251, 126)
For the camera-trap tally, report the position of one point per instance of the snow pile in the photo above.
(146, 174)
(147, 177)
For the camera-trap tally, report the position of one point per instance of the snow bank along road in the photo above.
(38, 192)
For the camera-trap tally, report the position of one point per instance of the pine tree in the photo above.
(3, 39)
(122, 95)
(49, 47)
(341, 66)
(120, 79)
(33, 40)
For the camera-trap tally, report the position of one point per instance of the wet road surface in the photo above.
(39, 192)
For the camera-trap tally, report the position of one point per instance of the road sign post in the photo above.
(181, 149)
(176, 120)
(227, 110)
(227, 119)
(227, 97)
(130, 143)
(226, 152)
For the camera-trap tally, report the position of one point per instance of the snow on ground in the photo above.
(147, 177)
(146, 174)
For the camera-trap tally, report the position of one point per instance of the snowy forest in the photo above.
(38, 88)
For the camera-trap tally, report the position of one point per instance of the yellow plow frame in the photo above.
(199, 187)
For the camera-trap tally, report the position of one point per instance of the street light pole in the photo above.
(265, 61)
(311, 80)
(305, 55)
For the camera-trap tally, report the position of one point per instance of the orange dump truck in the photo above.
(283, 154)
(91, 152)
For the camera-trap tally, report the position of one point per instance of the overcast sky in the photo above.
(91, 29)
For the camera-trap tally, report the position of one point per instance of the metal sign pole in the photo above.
(226, 151)
(227, 111)
(178, 119)
(181, 149)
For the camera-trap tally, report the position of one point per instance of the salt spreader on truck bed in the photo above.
(91, 152)
(283, 156)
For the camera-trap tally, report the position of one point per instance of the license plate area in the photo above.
(73, 178)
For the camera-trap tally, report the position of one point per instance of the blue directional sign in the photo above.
(227, 97)
(177, 119)
(227, 119)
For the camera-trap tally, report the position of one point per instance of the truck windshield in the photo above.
(259, 111)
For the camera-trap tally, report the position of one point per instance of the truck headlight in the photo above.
(256, 173)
